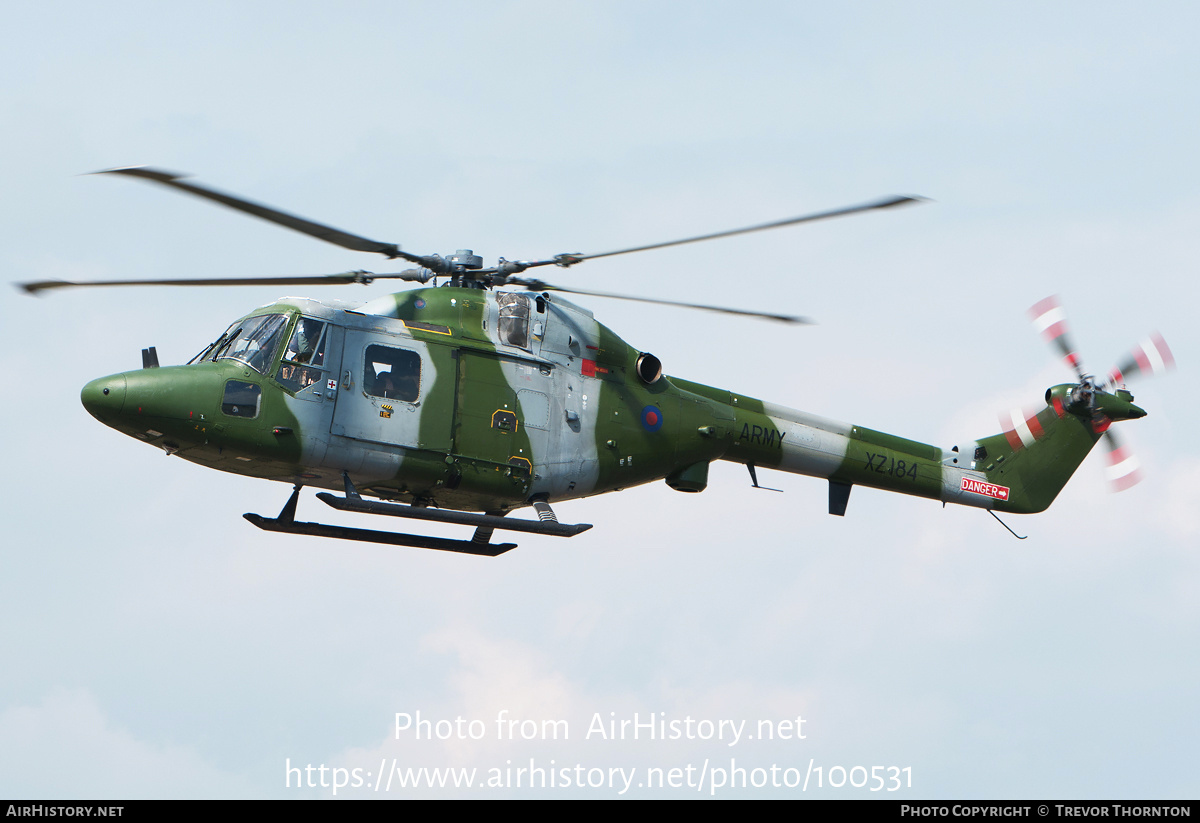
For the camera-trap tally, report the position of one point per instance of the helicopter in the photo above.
(460, 403)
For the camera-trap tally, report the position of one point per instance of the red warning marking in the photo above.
(970, 484)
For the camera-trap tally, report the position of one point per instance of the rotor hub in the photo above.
(466, 259)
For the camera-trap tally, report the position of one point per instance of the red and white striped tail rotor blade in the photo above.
(1151, 356)
(1123, 468)
(1021, 427)
(1049, 318)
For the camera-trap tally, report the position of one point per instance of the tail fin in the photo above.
(1028, 465)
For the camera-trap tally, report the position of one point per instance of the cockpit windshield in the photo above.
(253, 341)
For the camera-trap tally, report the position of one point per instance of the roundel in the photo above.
(420, 303)
(652, 418)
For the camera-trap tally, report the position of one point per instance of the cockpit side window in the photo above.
(514, 319)
(392, 373)
(308, 343)
(303, 356)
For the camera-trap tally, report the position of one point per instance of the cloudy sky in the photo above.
(156, 645)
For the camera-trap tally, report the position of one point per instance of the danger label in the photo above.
(970, 484)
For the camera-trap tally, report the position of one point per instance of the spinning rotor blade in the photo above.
(1123, 468)
(1050, 319)
(1021, 427)
(464, 267)
(318, 230)
(1152, 356)
(541, 285)
(887, 203)
(364, 277)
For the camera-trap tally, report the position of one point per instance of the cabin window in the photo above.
(392, 373)
(241, 399)
(514, 319)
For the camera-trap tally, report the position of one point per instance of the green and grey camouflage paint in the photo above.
(518, 396)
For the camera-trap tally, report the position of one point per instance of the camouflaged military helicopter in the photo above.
(458, 404)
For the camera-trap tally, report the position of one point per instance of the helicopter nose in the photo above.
(104, 398)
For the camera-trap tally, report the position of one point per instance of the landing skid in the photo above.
(480, 544)
(372, 536)
(548, 528)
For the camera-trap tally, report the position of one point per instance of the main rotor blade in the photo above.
(364, 277)
(886, 203)
(540, 285)
(318, 230)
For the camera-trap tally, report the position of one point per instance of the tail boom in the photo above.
(1019, 471)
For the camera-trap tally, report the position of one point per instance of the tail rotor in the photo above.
(1049, 318)
(1124, 470)
(1151, 357)
(1108, 400)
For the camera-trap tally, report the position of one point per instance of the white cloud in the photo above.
(520, 701)
(65, 747)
